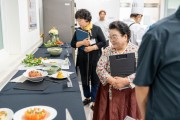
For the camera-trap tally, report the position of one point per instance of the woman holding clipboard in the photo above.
(113, 101)
(89, 52)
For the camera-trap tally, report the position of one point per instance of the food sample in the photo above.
(60, 75)
(35, 114)
(34, 73)
(3, 115)
(53, 43)
(30, 60)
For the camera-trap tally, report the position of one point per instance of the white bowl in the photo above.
(35, 79)
(54, 51)
(9, 112)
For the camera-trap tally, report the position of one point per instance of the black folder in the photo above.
(81, 35)
(123, 64)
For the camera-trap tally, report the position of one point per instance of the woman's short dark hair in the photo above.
(121, 27)
(83, 14)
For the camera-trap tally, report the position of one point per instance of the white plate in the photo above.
(55, 75)
(35, 79)
(20, 113)
(9, 112)
(51, 62)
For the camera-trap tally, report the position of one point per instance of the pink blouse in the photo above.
(103, 66)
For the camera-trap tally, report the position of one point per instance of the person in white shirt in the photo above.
(137, 30)
(103, 24)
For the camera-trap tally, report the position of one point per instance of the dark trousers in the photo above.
(90, 92)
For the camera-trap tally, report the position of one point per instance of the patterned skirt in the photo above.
(122, 104)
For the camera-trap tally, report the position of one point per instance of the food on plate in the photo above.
(53, 43)
(30, 60)
(35, 114)
(3, 115)
(34, 73)
(52, 69)
(60, 75)
(51, 62)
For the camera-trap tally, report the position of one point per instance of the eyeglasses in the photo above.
(114, 37)
(79, 20)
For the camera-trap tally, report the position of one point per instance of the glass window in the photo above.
(171, 6)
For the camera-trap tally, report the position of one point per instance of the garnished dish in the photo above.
(60, 75)
(51, 62)
(35, 114)
(52, 69)
(53, 43)
(6, 114)
(3, 115)
(30, 60)
(35, 75)
(54, 38)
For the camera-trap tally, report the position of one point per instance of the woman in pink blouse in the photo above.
(113, 102)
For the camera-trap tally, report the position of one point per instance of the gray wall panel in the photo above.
(59, 14)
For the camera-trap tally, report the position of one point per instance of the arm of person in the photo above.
(149, 58)
(101, 69)
(142, 96)
(84, 42)
(90, 48)
(111, 80)
(121, 82)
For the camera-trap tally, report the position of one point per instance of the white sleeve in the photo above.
(138, 32)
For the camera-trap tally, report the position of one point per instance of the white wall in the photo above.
(11, 26)
(17, 36)
(28, 37)
(18, 39)
(94, 6)
(41, 16)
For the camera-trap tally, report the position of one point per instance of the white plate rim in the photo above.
(53, 112)
(10, 113)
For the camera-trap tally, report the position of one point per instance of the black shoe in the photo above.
(86, 101)
(92, 107)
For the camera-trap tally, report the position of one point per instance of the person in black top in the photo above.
(157, 78)
(88, 57)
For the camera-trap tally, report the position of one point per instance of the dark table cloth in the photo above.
(56, 95)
